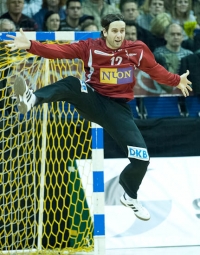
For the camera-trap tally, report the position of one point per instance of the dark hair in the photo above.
(71, 1)
(47, 15)
(106, 20)
(45, 5)
(130, 23)
(123, 2)
(86, 18)
(87, 24)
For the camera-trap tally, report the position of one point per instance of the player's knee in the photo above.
(71, 81)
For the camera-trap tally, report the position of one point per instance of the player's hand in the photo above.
(19, 42)
(184, 84)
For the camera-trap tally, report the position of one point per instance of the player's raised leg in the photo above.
(135, 149)
(138, 209)
(26, 99)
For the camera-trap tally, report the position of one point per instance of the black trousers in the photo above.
(113, 115)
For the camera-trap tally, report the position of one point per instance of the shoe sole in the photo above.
(134, 213)
(19, 89)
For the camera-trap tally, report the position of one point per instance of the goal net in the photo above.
(46, 188)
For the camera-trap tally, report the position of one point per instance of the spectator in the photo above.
(171, 54)
(85, 19)
(150, 9)
(6, 25)
(98, 9)
(158, 27)
(89, 26)
(182, 14)
(31, 7)
(73, 14)
(51, 21)
(131, 31)
(129, 9)
(49, 5)
(20, 20)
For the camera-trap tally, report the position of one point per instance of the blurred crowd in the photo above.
(171, 29)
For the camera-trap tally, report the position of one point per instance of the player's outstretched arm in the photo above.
(184, 84)
(19, 42)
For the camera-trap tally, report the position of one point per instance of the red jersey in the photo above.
(110, 72)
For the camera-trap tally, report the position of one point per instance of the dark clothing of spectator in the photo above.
(192, 63)
(196, 41)
(64, 26)
(148, 38)
(26, 23)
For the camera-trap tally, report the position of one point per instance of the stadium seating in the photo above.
(192, 104)
(135, 109)
(161, 107)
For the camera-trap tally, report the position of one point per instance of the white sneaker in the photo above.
(25, 97)
(137, 208)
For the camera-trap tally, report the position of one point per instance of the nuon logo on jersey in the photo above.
(116, 75)
(138, 153)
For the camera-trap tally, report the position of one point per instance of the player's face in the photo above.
(115, 34)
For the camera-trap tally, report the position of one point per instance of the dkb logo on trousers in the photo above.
(116, 75)
(138, 153)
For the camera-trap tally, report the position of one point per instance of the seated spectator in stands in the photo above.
(51, 21)
(98, 9)
(89, 26)
(158, 27)
(131, 31)
(6, 25)
(49, 5)
(182, 14)
(31, 7)
(129, 9)
(73, 14)
(150, 9)
(171, 54)
(20, 20)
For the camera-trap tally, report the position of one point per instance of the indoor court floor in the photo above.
(183, 250)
